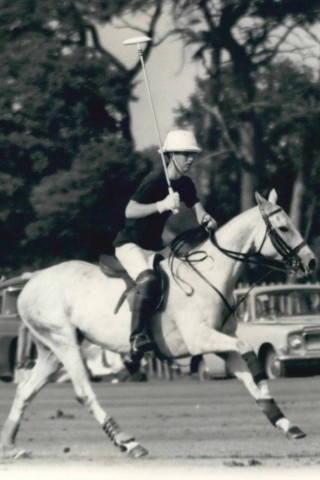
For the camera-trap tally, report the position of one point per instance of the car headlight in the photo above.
(295, 342)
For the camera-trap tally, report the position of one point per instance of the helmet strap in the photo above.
(173, 158)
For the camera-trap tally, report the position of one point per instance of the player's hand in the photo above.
(171, 202)
(209, 223)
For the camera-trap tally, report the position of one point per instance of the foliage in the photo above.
(65, 139)
(237, 41)
(66, 152)
(287, 107)
(82, 208)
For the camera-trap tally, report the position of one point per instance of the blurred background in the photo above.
(76, 129)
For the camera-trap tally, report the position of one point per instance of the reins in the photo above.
(290, 261)
(255, 258)
(191, 258)
(197, 235)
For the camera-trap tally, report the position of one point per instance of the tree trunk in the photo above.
(301, 210)
(247, 165)
(298, 193)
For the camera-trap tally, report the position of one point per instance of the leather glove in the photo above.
(171, 202)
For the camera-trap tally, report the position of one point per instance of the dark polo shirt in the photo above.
(147, 231)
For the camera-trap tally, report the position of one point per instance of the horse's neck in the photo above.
(238, 235)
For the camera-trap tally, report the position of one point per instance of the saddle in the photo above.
(111, 266)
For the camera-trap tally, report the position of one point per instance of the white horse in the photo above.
(63, 299)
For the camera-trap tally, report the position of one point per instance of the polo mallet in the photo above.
(137, 41)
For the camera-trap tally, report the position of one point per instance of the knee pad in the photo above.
(254, 367)
(149, 285)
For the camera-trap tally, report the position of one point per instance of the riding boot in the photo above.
(147, 295)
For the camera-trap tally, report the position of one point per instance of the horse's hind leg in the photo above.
(71, 358)
(44, 369)
(258, 388)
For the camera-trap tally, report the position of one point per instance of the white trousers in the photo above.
(134, 258)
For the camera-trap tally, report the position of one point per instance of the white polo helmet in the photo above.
(180, 141)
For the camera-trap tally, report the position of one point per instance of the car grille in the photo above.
(311, 339)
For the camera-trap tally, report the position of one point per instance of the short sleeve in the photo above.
(187, 191)
(151, 189)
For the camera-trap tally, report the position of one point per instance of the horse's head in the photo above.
(281, 240)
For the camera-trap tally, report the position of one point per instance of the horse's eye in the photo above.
(284, 229)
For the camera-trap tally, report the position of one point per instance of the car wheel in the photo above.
(273, 366)
(203, 371)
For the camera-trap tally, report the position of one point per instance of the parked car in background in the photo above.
(10, 323)
(282, 324)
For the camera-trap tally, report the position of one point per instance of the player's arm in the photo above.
(203, 217)
(139, 210)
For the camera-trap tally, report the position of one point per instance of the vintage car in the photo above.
(282, 324)
(10, 324)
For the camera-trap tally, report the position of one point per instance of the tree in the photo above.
(248, 35)
(79, 210)
(63, 96)
(288, 104)
(290, 108)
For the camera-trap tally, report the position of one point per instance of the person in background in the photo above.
(146, 215)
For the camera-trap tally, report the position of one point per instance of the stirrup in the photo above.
(141, 343)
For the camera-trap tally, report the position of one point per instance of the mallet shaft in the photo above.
(137, 41)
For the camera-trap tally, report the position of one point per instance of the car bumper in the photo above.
(301, 360)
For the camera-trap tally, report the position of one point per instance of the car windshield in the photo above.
(10, 301)
(288, 303)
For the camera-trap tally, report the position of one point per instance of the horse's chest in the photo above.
(167, 334)
(179, 319)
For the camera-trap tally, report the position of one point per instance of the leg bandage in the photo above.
(111, 428)
(254, 366)
(271, 410)
(119, 438)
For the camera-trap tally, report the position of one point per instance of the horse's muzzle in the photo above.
(312, 265)
(308, 267)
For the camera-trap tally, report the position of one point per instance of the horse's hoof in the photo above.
(22, 454)
(137, 451)
(13, 453)
(294, 433)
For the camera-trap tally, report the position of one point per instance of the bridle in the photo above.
(290, 259)
(289, 263)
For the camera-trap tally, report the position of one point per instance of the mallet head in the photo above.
(136, 40)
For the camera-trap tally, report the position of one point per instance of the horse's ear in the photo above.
(273, 196)
(263, 204)
(260, 200)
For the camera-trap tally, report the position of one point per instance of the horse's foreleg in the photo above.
(249, 371)
(72, 360)
(246, 366)
(45, 367)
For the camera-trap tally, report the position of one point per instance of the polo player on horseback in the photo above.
(146, 215)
